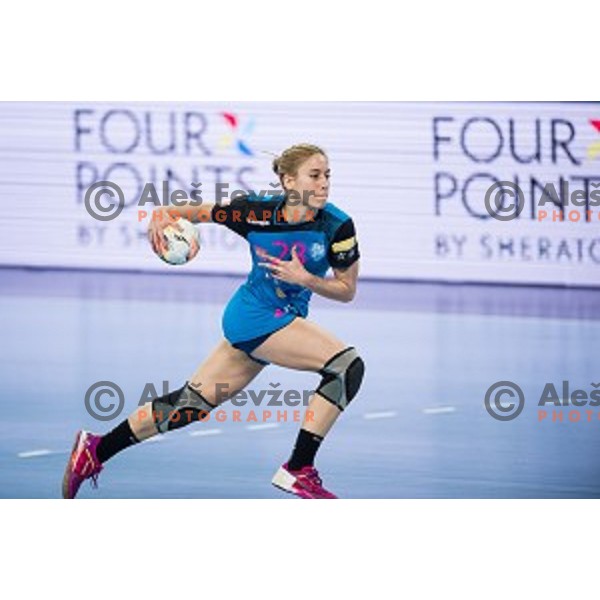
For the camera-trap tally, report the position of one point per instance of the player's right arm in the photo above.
(167, 215)
(232, 216)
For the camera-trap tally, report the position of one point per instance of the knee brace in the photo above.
(342, 376)
(179, 408)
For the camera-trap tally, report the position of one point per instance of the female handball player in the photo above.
(294, 239)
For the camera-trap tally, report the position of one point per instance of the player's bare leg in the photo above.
(303, 345)
(225, 372)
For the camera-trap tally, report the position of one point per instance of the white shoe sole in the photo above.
(284, 480)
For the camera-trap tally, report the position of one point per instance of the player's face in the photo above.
(312, 181)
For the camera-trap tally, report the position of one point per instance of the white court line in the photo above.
(262, 426)
(206, 432)
(36, 453)
(437, 410)
(380, 415)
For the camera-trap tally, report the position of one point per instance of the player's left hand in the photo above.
(290, 271)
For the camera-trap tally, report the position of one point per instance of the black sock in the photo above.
(114, 441)
(304, 451)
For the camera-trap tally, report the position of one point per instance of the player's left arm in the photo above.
(343, 255)
(341, 287)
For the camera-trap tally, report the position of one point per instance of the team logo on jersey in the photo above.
(317, 251)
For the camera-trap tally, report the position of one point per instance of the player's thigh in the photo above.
(300, 345)
(224, 372)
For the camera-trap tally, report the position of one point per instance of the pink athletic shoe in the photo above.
(305, 483)
(83, 464)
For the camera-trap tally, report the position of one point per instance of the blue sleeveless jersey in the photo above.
(264, 304)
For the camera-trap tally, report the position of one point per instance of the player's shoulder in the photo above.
(343, 250)
(336, 220)
(254, 200)
(335, 214)
(251, 201)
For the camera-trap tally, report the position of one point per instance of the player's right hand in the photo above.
(159, 221)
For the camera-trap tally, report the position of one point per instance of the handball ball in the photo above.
(182, 245)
